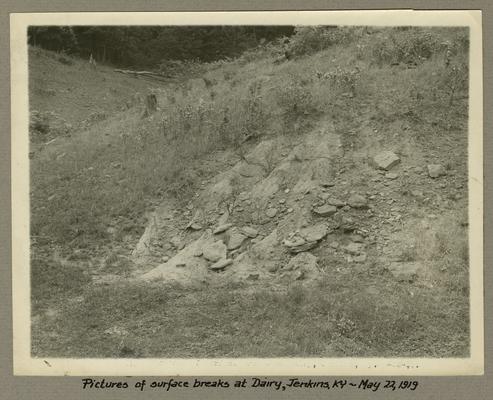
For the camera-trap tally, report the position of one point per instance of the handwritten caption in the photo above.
(278, 385)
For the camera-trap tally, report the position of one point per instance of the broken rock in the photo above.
(386, 160)
(236, 240)
(306, 238)
(249, 231)
(315, 232)
(215, 251)
(335, 202)
(325, 210)
(357, 201)
(222, 228)
(435, 170)
(221, 264)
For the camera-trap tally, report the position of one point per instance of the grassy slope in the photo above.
(72, 89)
(109, 182)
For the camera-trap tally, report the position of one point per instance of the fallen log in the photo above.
(141, 73)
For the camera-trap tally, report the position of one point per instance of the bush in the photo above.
(229, 119)
(295, 99)
(341, 79)
(311, 39)
(177, 68)
(412, 46)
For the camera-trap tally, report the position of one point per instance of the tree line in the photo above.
(148, 46)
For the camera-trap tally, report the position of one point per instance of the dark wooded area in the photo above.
(148, 46)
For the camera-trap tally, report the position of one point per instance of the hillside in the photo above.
(316, 187)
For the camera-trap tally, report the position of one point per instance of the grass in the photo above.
(339, 317)
(52, 281)
(89, 193)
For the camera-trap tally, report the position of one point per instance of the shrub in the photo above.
(177, 68)
(295, 99)
(63, 59)
(455, 80)
(412, 46)
(310, 39)
(341, 79)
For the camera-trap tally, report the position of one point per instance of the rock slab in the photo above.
(222, 228)
(221, 264)
(306, 238)
(386, 160)
(249, 231)
(236, 240)
(325, 210)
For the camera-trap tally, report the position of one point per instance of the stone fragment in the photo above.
(347, 224)
(215, 251)
(327, 184)
(249, 231)
(194, 226)
(222, 228)
(386, 160)
(314, 232)
(306, 239)
(357, 201)
(271, 212)
(221, 264)
(335, 202)
(325, 210)
(299, 245)
(391, 175)
(236, 239)
(435, 170)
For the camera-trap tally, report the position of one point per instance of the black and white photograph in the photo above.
(225, 191)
